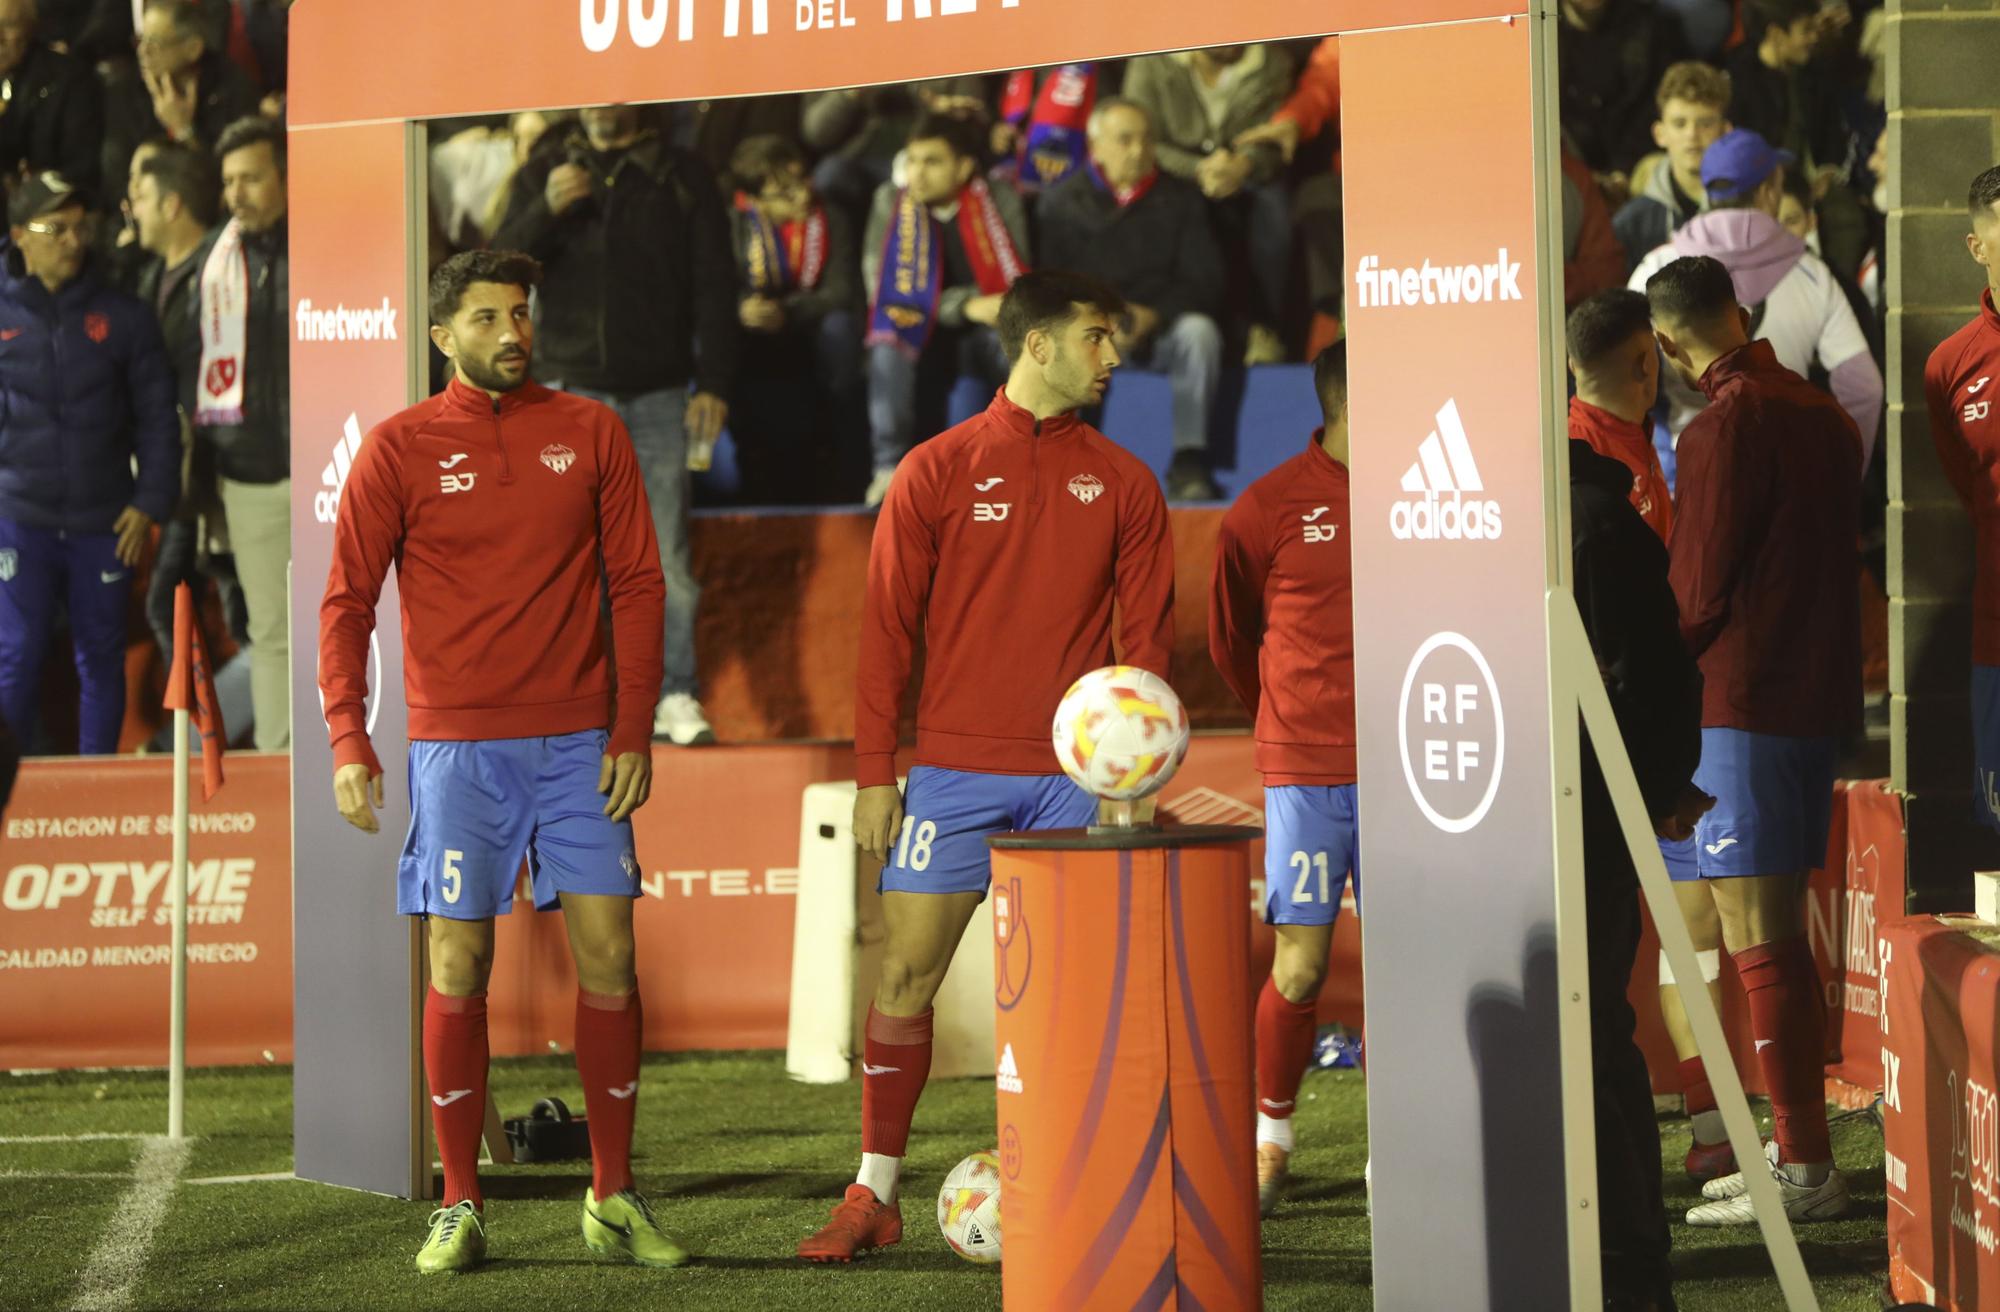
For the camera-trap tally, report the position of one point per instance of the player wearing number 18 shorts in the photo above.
(1007, 542)
(1281, 631)
(511, 514)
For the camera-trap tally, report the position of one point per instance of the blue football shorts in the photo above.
(949, 814)
(1312, 846)
(1773, 803)
(476, 808)
(1986, 744)
(1680, 858)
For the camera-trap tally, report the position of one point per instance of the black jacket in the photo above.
(55, 120)
(225, 95)
(633, 274)
(179, 313)
(1628, 609)
(259, 450)
(1608, 77)
(1761, 99)
(1158, 251)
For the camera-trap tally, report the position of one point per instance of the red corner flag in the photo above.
(191, 688)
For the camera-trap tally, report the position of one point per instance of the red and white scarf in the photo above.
(225, 329)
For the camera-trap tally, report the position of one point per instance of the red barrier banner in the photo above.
(84, 956)
(1939, 984)
(83, 969)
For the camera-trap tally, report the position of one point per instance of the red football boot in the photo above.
(860, 1224)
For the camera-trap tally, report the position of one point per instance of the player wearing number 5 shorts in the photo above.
(1281, 631)
(1765, 566)
(1019, 544)
(502, 505)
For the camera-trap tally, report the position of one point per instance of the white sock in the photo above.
(1271, 1129)
(1810, 1174)
(1708, 1127)
(879, 1174)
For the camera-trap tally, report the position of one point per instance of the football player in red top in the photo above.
(1018, 544)
(1281, 631)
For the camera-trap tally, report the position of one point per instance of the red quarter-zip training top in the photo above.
(1961, 383)
(1281, 618)
(497, 515)
(1006, 544)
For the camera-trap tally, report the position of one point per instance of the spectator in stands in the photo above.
(1611, 54)
(1146, 235)
(1797, 216)
(1042, 135)
(1794, 302)
(266, 27)
(173, 203)
(1200, 103)
(798, 271)
(1783, 90)
(54, 110)
(243, 401)
(634, 244)
(858, 131)
(713, 129)
(939, 253)
(88, 391)
(1593, 261)
(1693, 101)
(1312, 114)
(183, 88)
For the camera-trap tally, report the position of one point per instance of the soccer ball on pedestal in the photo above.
(1121, 732)
(969, 1208)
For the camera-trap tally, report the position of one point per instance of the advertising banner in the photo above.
(1452, 667)
(1940, 988)
(366, 60)
(354, 1102)
(84, 959)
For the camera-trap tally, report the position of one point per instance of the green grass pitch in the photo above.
(739, 1161)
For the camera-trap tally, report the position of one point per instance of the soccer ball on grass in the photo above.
(969, 1208)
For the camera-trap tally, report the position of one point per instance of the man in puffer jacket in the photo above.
(1794, 302)
(87, 388)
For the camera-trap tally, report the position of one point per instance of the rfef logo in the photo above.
(1441, 478)
(1452, 733)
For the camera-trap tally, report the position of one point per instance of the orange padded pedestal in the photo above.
(1125, 1083)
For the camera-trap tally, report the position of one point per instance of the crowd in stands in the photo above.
(811, 273)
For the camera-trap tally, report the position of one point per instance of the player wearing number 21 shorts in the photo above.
(512, 515)
(1007, 542)
(1281, 631)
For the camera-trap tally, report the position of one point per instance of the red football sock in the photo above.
(895, 1062)
(455, 1066)
(1285, 1032)
(1789, 1026)
(607, 1058)
(1695, 1088)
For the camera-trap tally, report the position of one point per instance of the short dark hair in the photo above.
(961, 135)
(182, 14)
(253, 130)
(761, 158)
(1984, 193)
(1330, 379)
(450, 280)
(1046, 299)
(1694, 290)
(187, 172)
(1602, 323)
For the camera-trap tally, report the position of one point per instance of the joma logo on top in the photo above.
(646, 20)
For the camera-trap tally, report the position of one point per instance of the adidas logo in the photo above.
(1008, 1077)
(1444, 472)
(326, 501)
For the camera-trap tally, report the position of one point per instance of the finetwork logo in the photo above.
(1440, 479)
(340, 324)
(326, 502)
(1376, 287)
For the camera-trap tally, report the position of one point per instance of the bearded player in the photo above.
(502, 504)
(1281, 631)
(1006, 542)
